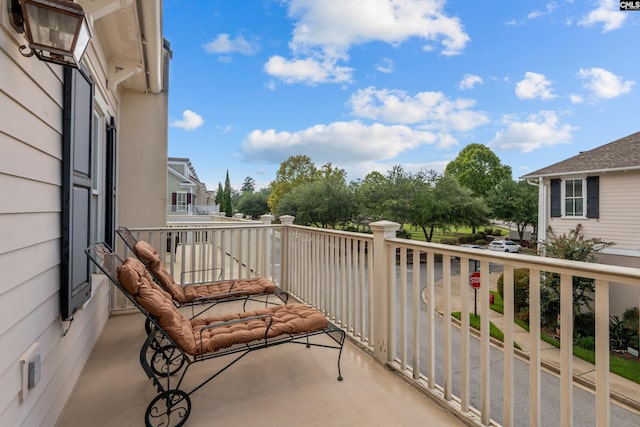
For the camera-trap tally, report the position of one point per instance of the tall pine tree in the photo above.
(228, 208)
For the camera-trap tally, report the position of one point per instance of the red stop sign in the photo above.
(474, 280)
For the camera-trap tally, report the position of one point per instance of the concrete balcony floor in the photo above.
(282, 385)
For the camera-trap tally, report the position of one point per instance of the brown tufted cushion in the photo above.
(136, 280)
(287, 319)
(150, 256)
(252, 286)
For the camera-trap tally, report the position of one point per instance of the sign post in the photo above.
(474, 282)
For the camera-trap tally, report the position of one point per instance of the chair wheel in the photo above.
(166, 361)
(170, 408)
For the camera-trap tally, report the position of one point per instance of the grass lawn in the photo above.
(494, 331)
(417, 234)
(619, 365)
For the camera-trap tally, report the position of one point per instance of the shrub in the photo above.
(631, 320)
(521, 288)
(403, 234)
(584, 325)
(479, 236)
(480, 242)
(619, 336)
(586, 342)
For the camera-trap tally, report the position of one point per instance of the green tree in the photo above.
(515, 202)
(324, 202)
(228, 207)
(219, 200)
(572, 246)
(369, 192)
(442, 203)
(477, 168)
(248, 186)
(294, 171)
(254, 203)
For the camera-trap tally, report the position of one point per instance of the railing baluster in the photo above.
(431, 309)
(566, 350)
(534, 351)
(602, 353)
(363, 286)
(465, 335)
(485, 355)
(508, 346)
(415, 309)
(403, 308)
(446, 324)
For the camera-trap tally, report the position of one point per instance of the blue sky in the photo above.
(369, 84)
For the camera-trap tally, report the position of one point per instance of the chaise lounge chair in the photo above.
(248, 289)
(186, 342)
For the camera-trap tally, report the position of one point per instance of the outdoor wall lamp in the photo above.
(56, 30)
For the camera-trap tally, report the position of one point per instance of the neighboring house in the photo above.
(599, 189)
(186, 194)
(83, 152)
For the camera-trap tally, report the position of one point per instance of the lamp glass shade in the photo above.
(56, 29)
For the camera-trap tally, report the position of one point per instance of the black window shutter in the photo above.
(76, 191)
(174, 199)
(556, 198)
(593, 197)
(188, 198)
(110, 185)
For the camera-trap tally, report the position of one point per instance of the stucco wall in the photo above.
(142, 160)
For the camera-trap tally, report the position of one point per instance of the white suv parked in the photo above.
(504, 246)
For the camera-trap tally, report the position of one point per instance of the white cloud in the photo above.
(309, 70)
(549, 8)
(608, 14)
(536, 131)
(603, 83)
(386, 65)
(576, 99)
(223, 43)
(431, 110)
(469, 81)
(534, 86)
(355, 142)
(326, 31)
(335, 25)
(190, 121)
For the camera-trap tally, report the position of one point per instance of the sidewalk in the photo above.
(622, 390)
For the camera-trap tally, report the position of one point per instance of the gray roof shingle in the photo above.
(619, 154)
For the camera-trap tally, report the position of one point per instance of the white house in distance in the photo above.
(186, 194)
(599, 189)
(82, 149)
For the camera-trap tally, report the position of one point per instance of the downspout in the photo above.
(542, 214)
(150, 17)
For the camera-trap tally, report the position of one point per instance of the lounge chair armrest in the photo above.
(184, 273)
(231, 322)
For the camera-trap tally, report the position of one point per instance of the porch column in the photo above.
(382, 334)
(285, 220)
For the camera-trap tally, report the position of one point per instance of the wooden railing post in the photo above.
(285, 220)
(382, 311)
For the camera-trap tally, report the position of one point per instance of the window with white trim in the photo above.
(181, 202)
(574, 197)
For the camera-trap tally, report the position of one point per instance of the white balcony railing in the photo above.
(374, 286)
